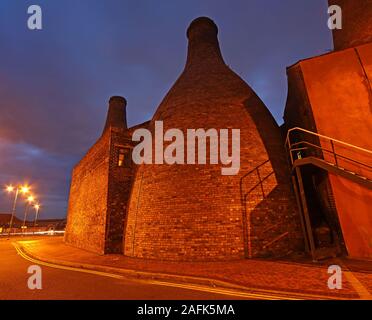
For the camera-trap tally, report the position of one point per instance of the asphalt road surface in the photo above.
(74, 285)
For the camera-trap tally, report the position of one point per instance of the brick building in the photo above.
(100, 187)
(320, 202)
(192, 212)
(189, 212)
(330, 96)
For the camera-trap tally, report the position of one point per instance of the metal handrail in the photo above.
(326, 150)
(332, 141)
(325, 137)
(243, 198)
(254, 169)
(258, 184)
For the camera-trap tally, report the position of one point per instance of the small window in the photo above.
(124, 157)
(121, 158)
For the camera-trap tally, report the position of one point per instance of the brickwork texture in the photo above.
(192, 212)
(189, 212)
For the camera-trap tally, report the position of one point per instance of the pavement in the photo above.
(64, 283)
(243, 279)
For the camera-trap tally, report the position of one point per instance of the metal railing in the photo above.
(244, 195)
(306, 146)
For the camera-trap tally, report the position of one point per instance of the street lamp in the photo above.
(37, 208)
(30, 200)
(25, 189)
(20, 189)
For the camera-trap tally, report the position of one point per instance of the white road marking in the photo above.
(259, 294)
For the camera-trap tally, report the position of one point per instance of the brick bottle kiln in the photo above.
(192, 212)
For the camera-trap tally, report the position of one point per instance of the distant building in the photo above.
(5, 220)
(55, 224)
(49, 224)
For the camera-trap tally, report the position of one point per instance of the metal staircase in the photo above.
(319, 154)
(310, 149)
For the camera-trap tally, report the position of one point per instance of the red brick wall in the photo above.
(119, 188)
(192, 212)
(357, 23)
(98, 196)
(337, 93)
(87, 207)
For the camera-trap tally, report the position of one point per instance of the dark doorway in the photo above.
(322, 214)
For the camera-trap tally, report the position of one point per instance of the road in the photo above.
(74, 285)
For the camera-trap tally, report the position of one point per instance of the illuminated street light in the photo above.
(37, 208)
(23, 189)
(30, 200)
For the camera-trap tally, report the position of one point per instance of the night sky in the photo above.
(55, 83)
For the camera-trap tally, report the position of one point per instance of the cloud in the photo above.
(48, 174)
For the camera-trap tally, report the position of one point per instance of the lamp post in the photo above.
(37, 208)
(9, 189)
(30, 200)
